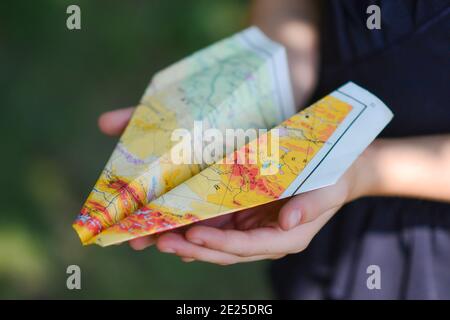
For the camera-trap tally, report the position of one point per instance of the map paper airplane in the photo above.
(240, 82)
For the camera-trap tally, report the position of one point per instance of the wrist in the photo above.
(366, 180)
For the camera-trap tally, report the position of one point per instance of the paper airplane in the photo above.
(142, 192)
(240, 82)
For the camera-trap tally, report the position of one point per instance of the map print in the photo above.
(239, 82)
(224, 188)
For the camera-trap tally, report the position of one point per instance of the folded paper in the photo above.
(240, 82)
(142, 192)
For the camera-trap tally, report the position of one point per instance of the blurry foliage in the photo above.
(53, 85)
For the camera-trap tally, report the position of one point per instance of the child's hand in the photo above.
(259, 233)
(268, 236)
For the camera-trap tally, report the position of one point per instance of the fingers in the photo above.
(219, 222)
(225, 247)
(308, 206)
(258, 216)
(250, 220)
(261, 241)
(243, 215)
(242, 243)
(114, 122)
(142, 242)
(177, 244)
(252, 245)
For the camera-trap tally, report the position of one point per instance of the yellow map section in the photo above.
(227, 187)
(237, 186)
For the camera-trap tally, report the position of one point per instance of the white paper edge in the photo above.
(367, 119)
(254, 39)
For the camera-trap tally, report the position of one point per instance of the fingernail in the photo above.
(197, 241)
(168, 250)
(187, 259)
(294, 218)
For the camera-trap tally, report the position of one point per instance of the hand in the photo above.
(266, 232)
(269, 236)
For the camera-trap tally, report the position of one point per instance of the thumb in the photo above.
(308, 206)
(114, 122)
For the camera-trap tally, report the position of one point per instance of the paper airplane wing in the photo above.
(315, 147)
(239, 82)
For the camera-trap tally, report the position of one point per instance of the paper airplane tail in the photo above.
(145, 221)
(83, 233)
(111, 200)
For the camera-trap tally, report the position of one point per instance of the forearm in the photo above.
(416, 167)
(294, 24)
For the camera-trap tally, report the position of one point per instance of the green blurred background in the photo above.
(54, 83)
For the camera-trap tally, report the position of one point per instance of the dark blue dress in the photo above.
(407, 65)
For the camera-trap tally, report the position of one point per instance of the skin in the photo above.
(390, 167)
